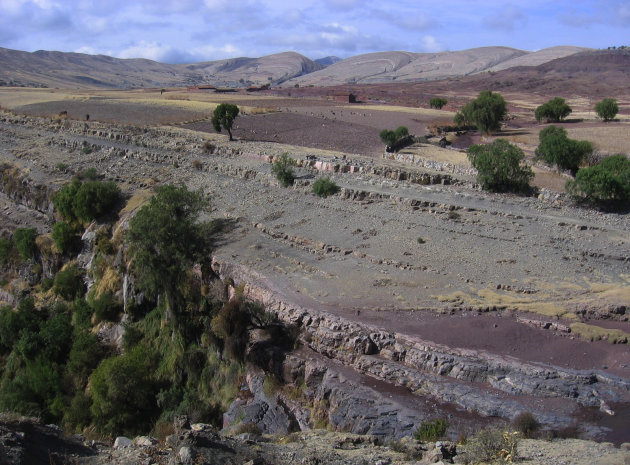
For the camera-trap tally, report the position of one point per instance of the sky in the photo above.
(186, 31)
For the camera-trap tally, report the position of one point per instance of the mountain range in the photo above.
(288, 69)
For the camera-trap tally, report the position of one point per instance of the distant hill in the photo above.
(387, 67)
(327, 61)
(59, 69)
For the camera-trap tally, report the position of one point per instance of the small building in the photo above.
(345, 97)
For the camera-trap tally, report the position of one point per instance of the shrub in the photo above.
(89, 173)
(93, 199)
(123, 390)
(24, 239)
(324, 187)
(64, 199)
(69, 283)
(78, 415)
(197, 165)
(499, 166)
(85, 354)
(6, 248)
(437, 102)
(393, 139)
(490, 444)
(607, 181)
(554, 110)
(63, 236)
(555, 148)
(282, 170)
(106, 307)
(526, 424)
(607, 109)
(430, 431)
(86, 201)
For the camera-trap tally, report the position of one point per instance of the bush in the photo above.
(69, 283)
(86, 201)
(607, 181)
(499, 167)
(24, 239)
(85, 355)
(63, 236)
(6, 249)
(554, 110)
(437, 102)
(123, 390)
(526, 424)
(430, 431)
(64, 199)
(490, 444)
(94, 199)
(324, 187)
(393, 139)
(556, 148)
(282, 170)
(607, 109)
(106, 307)
(78, 415)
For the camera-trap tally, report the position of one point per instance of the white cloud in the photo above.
(431, 44)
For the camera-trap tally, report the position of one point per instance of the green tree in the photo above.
(607, 181)
(499, 166)
(166, 240)
(24, 239)
(553, 110)
(6, 250)
(283, 171)
(437, 102)
(223, 117)
(64, 199)
(63, 236)
(487, 112)
(607, 109)
(555, 148)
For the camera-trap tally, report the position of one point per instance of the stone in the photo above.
(185, 455)
(145, 441)
(122, 442)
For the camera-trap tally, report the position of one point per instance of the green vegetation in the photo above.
(553, 111)
(607, 109)
(394, 139)
(63, 236)
(499, 167)
(86, 201)
(282, 170)
(487, 112)
(324, 187)
(24, 239)
(6, 250)
(555, 148)
(223, 117)
(430, 431)
(69, 283)
(437, 102)
(606, 182)
(165, 241)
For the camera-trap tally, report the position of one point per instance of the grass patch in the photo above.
(597, 333)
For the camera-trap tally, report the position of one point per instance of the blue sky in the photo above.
(181, 31)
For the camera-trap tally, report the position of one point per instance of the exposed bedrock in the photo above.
(489, 384)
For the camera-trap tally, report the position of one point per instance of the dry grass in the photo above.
(433, 113)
